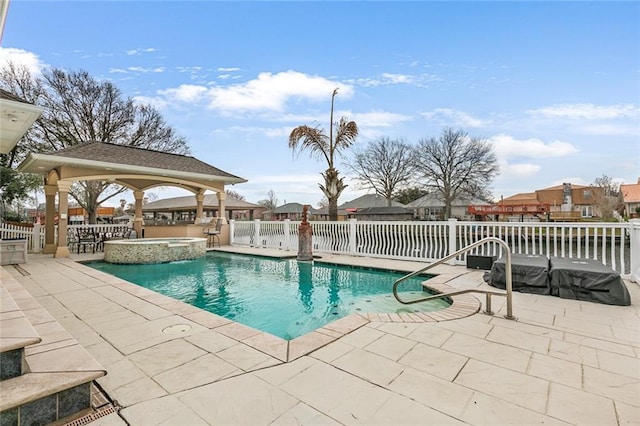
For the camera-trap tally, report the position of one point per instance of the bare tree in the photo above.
(315, 140)
(607, 197)
(384, 165)
(323, 203)
(78, 109)
(235, 195)
(455, 165)
(271, 202)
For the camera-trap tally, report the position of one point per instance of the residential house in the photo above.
(631, 198)
(367, 207)
(291, 211)
(431, 207)
(179, 209)
(570, 202)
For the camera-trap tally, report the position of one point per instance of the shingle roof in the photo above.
(368, 200)
(189, 202)
(290, 208)
(631, 192)
(128, 155)
(383, 210)
(434, 200)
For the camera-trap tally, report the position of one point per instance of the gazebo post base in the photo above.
(49, 249)
(62, 252)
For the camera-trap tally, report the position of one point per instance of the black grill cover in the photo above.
(587, 279)
(529, 273)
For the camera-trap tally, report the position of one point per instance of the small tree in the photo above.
(384, 165)
(235, 195)
(271, 202)
(607, 197)
(455, 165)
(407, 195)
(315, 140)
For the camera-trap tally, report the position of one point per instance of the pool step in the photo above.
(46, 376)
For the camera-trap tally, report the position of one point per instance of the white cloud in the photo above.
(156, 102)
(271, 91)
(184, 93)
(377, 119)
(230, 69)
(23, 58)
(454, 118)
(520, 170)
(136, 52)
(506, 147)
(141, 70)
(587, 111)
(387, 79)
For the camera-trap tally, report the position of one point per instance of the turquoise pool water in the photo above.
(282, 297)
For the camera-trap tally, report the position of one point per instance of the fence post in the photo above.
(35, 238)
(634, 249)
(287, 233)
(352, 236)
(451, 223)
(232, 229)
(256, 234)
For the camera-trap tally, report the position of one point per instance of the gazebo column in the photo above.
(63, 212)
(221, 213)
(137, 220)
(49, 217)
(199, 207)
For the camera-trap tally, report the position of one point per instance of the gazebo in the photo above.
(135, 168)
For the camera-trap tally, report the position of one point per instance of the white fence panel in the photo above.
(614, 244)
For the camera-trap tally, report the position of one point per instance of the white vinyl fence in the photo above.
(35, 234)
(614, 244)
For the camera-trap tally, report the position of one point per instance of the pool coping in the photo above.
(461, 306)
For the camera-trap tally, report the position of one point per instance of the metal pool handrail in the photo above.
(488, 293)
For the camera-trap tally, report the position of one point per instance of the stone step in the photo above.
(43, 398)
(16, 333)
(49, 374)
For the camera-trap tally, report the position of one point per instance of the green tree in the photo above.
(77, 109)
(326, 146)
(456, 165)
(407, 195)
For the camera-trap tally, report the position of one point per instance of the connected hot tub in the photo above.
(154, 250)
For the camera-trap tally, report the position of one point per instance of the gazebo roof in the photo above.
(16, 116)
(135, 168)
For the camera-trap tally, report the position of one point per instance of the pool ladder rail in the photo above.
(488, 293)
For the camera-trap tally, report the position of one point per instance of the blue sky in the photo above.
(554, 86)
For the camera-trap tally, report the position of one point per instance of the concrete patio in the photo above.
(168, 363)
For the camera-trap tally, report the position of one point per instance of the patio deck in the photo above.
(562, 362)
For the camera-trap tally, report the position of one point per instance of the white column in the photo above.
(287, 234)
(352, 236)
(63, 211)
(452, 238)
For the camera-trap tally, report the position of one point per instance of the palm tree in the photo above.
(315, 140)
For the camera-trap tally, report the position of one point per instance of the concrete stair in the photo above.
(46, 376)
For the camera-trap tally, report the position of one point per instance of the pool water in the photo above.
(282, 297)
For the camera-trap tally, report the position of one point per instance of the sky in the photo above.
(553, 86)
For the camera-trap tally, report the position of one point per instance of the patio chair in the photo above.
(213, 233)
(72, 240)
(88, 238)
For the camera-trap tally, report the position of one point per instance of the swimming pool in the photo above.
(282, 297)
